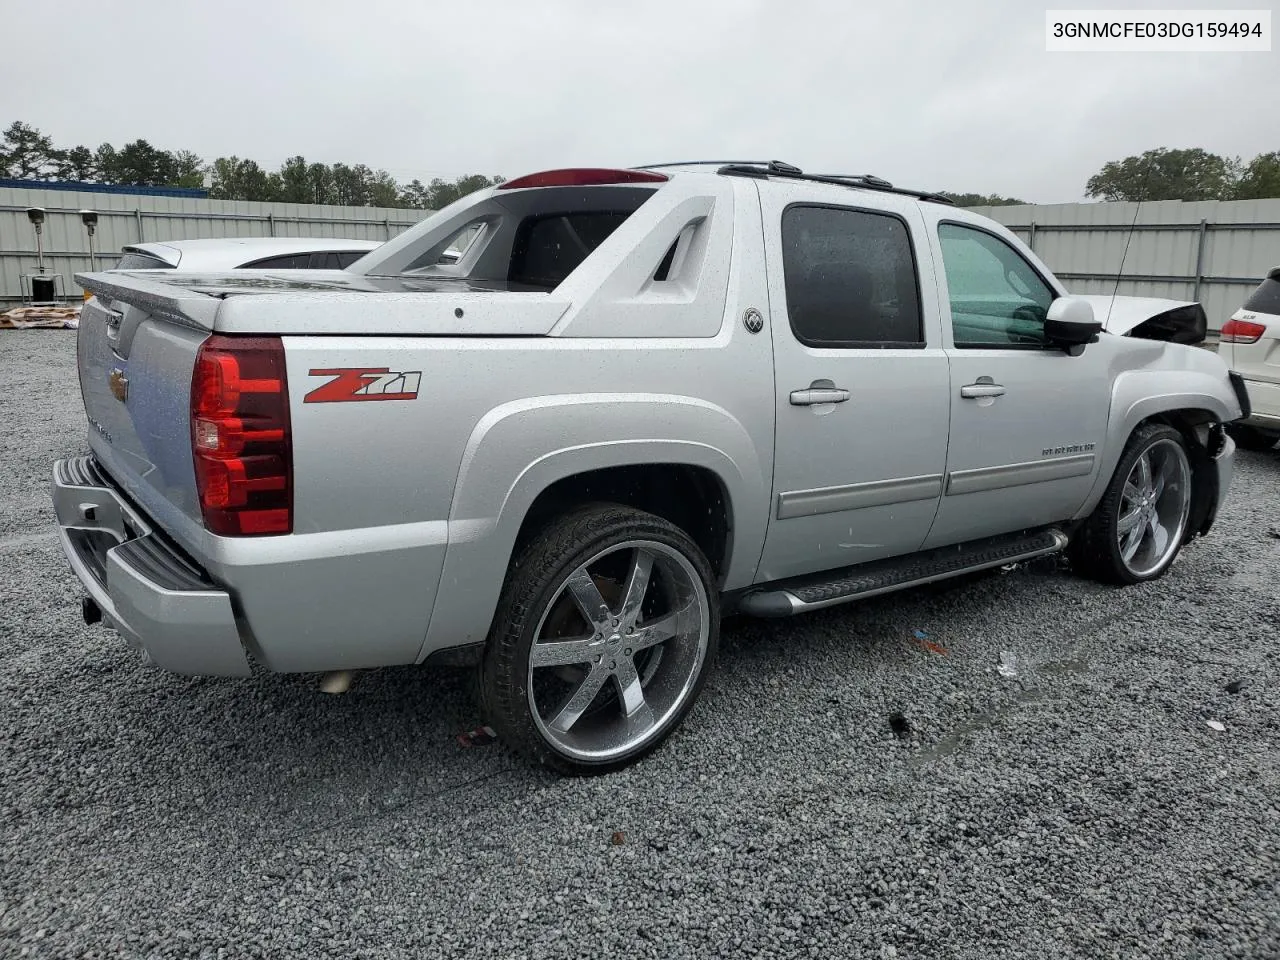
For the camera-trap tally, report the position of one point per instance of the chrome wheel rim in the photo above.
(618, 650)
(1153, 508)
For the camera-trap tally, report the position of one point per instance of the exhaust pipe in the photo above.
(336, 681)
(91, 612)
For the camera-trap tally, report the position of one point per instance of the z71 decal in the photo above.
(351, 384)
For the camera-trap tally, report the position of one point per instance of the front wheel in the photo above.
(1138, 527)
(604, 635)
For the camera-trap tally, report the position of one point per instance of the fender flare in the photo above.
(507, 463)
(1138, 396)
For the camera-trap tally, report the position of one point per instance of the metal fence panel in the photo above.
(1211, 251)
(125, 219)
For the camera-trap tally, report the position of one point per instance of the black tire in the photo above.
(1094, 551)
(533, 582)
(1251, 438)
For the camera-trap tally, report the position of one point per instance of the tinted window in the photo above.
(140, 261)
(292, 261)
(997, 298)
(850, 278)
(1266, 299)
(549, 248)
(333, 259)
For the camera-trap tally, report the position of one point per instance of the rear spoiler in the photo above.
(166, 300)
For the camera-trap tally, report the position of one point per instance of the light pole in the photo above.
(36, 216)
(90, 220)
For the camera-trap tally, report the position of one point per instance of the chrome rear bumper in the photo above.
(154, 597)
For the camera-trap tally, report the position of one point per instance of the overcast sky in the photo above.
(938, 95)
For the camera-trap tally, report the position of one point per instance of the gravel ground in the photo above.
(1080, 808)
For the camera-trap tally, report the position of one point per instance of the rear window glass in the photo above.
(290, 261)
(141, 261)
(850, 278)
(527, 240)
(1266, 299)
(549, 248)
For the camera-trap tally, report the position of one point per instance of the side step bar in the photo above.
(802, 594)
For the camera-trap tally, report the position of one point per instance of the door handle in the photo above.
(985, 387)
(820, 391)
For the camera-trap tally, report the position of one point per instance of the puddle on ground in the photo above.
(954, 741)
(1060, 668)
(1256, 576)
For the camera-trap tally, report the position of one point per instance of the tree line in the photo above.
(1165, 174)
(28, 154)
(1192, 174)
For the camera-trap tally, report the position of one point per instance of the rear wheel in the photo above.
(1138, 527)
(603, 638)
(1251, 438)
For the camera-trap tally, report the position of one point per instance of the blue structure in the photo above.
(124, 188)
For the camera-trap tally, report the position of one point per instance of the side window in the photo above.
(332, 260)
(850, 278)
(997, 298)
(348, 257)
(292, 261)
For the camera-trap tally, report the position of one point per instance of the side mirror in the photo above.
(1070, 323)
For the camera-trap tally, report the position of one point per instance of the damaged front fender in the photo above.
(1151, 318)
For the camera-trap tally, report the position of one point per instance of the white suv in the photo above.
(1250, 345)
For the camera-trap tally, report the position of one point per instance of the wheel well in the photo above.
(1199, 428)
(693, 498)
(1204, 436)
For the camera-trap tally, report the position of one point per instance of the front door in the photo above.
(862, 391)
(1027, 420)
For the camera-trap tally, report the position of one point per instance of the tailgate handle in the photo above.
(112, 320)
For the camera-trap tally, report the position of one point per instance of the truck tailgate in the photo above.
(135, 360)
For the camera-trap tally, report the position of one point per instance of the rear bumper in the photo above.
(148, 592)
(1263, 404)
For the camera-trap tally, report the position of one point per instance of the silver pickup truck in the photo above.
(560, 427)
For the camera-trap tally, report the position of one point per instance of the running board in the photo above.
(884, 576)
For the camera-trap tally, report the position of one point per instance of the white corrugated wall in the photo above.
(124, 219)
(1228, 245)
(1214, 251)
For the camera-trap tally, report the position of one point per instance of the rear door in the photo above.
(862, 391)
(1027, 420)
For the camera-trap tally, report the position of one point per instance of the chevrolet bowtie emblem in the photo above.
(119, 384)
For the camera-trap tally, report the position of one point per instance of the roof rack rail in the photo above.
(866, 181)
(700, 163)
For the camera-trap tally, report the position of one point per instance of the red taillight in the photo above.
(240, 436)
(583, 177)
(1241, 331)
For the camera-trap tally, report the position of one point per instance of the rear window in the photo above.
(1266, 299)
(549, 248)
(290, 261)
(527, 240)
(141, 261)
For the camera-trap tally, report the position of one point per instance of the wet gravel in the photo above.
(1076, 803)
